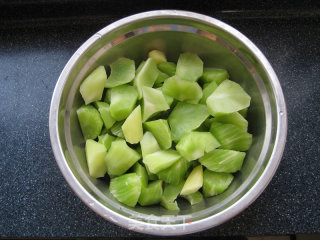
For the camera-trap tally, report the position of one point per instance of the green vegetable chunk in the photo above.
(153, 102)
(207, 91)
(104, 110)
(175, 173)
(146, 76)
(160, 130)
(132, 127)
(151, 194)
(229, 97)
(169, 196)
(140, 67)
(194, 198)
(161, 160)
(244, 112)
(92, 87)
(214, 75)
(189, 67)
(160, 79)
(168, 68)
(215, 183)
(233, 118)
(90, 121)
(122, 72)
(142, 173)
(123, 100)
(182, 90)
(116, 129)
(126, 188)
(120, 158)
(149, 144)
(194, 181)
(106, 140)
(186, 117)
(95, 153)
(220, 160)
(193, 145)
(169, 99)
(231, 136)
(158, 56)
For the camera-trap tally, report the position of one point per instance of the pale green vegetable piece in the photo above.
(233, 118)
(126, 188)
(116, 129)
(95, 154)
(216, 75)
(215, 183)
(194, 198)
(151, 194)
(168, 68)
(182, 90)
(193, 145)
(161, 160)
(186, 117)
(220, 160)
(160, 79)
(174, 174)
(207, 91)
(153, 102)
(146, 76)
(158, 56)
(169, 99)
(149, 144)
(106, 140)
(132, 126)
(231, 136)
(189, 67)
(229, 97)
(140, 67)
(142, 173)
(92, 87)
(104, 110)
(120, 158)
(122, 72)
(90, 121)
(161, 131)
(194, 181)
(123, 100)
(169, 196)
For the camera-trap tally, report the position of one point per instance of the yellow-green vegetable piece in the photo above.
(106, 139)
(92, 87)
(158, 56)
(216, 75)
(189, 67)
(104, 110)
(215, 183)
(194, 198)
(161, 160)
(194, 181)
(132, 126)
(90, 121)
(233, 118)
(174, 174)
(149, 144)
(207, 91)
(95, 154)
(168, 68)
(142, 173)
(161, 131)
(151, 194)
(122, 72)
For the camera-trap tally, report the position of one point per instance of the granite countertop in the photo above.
(35, 200)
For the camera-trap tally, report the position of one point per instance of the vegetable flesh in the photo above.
(161, 131)
(90, 121)
(161, 160)
(189, 67)
(194, 181)
(122, 72)
(215, 183)
(132, 127)
(151, 194)
(95, 154)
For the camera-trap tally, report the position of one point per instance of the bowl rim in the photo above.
(185, 228)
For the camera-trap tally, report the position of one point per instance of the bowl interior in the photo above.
(217, 48)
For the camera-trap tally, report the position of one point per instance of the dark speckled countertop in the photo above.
(35, 200)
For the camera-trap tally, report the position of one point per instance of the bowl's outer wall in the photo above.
(173, 35)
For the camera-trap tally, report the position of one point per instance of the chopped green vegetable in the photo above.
(120, 158)
(244, 112)
(186, 117)
(233, 118)
(104, 110)
(126, 188)
(161, 160)
(215, 183)
(169, 196)
(231, 136)
(193, 145)
(106, 140)
(214, 75)
(116, 129)
(90, 121)
(189, 67)
(151, 194)
(142, 173)
(168, 68)
(158, 56)
(132, 127)
(160, 79)
(91, 88)
(123, 100)
(176, 173)
(194, 181)
(229, 97)
(220, 160)
(122, 72)
(140, 67)
(182, 90)
(194, 198)
(95, 154)
(149, 144)
(207, 91)
(160, 130)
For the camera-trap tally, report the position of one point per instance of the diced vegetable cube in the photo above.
(104, 110)
(207, 91)
(142, 173)
(169, 196)
(233, 118)
(149, 144)
(106, 140)
(95, 154)
(168, 68)
(122, 72)
(194, 198)
(151, 194)
(90, 121)
(189, 67)
(116, 129)
(216, 75)
(132, 127)
(176, 173)
(194, 181)
(215, 183)
(161, 160)
(161, 131)
(158, 56)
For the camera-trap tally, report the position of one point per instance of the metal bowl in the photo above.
(174, 32)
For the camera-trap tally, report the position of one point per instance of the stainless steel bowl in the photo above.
(174, 32)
